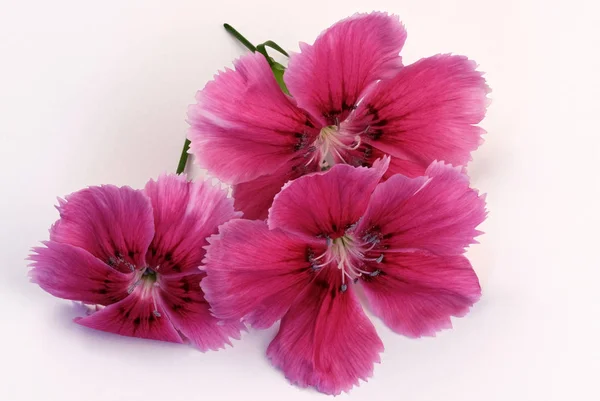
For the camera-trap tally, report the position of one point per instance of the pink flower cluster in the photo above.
(352, 183)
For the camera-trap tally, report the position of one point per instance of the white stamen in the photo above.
(332, 140)
(155, 311)
(132, 287)
(319, 257)
(348, 255)
(357, 145)
(377, 259)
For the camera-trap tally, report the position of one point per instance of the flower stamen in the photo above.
(349, 256)
(333, 141)
(155, 312)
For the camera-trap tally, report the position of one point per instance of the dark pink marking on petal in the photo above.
(325, 340)
(325, 204)
(427, 112)
(113, 224)
(185, 214)
(437, 214)
(134, 317)
(256, 273)
(189, 312)
(68, 272)
(328, 78)
(243, 126)
(416, 293)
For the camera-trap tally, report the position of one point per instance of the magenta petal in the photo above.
(325, 204)
(256, 273)
(417, 293)
(254, 198)
(135, 316)
(244, 126)
(68, 272)
(185, 214)
(327, 78)
(438, 214)
(325, 340)
(189, 312)
(426, 112)
(113, 224)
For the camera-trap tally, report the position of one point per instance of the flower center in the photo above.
(331, 143)
(149, 275)
(350, 256)
(146, 279)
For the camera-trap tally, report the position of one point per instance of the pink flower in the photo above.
(135, 254)
(403, 240)
(352, 102)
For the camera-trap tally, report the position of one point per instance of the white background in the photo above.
(96, 92)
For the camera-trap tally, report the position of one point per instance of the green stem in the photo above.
(184, 157)
(239, 37)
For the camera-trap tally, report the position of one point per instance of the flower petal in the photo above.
(325, 340)
(417, 293)
(255, 273)
(426, 113)
(189, 312)
(438, 214)
(134, 316)
(69, 272)
(327, 78)
(185, 214)
(255, 197)
(325, 204)
(113, 224)
(244, 126)
(365, 155)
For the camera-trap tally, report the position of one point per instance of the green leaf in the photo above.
(278, 71)
(277, 68)
(239, 37)
(275, 46)
(262, 50)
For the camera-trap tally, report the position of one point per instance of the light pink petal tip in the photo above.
(113, 224)
(325, 340)
(437, 214)
(189, 312)
(326, 204)
(416, 293)
(243, 126)
(328, 78)
(255, 273)
(427, 112)
(69, 272)
(185, 214)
